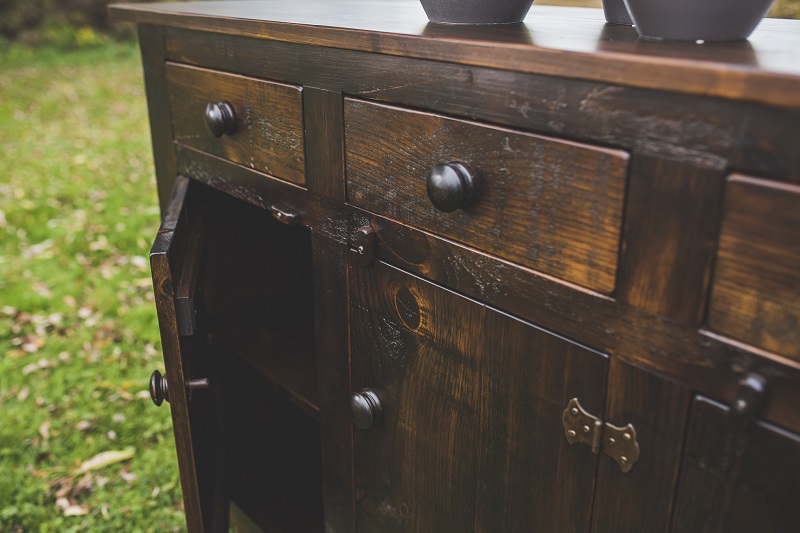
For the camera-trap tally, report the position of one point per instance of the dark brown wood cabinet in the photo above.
(413, 277)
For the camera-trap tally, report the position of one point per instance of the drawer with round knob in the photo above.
(548, 204)
(253, 122)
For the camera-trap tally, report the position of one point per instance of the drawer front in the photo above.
(756, 289)
(471, 435)
(268, 119)
(551, 205)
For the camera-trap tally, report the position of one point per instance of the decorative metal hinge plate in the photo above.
(619, 443)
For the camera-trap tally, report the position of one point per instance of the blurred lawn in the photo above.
(78, 331)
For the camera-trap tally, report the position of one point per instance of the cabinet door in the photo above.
(471, 434)
(175, 260)
(741, 480)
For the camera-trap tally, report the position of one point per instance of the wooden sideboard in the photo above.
(541, 277)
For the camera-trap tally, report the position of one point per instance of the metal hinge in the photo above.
(619, 443)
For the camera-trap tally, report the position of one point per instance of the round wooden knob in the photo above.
(220, 119)
(450, 187)
(159, 390)
(365, 408)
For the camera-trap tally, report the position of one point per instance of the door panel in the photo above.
(471, 435)
(752, 487)
(176, 262)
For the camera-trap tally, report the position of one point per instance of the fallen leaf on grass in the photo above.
(44, 430)
(104, 459)
(71, 509)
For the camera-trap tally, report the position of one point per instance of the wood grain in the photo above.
(472, 436)
(642, 499)
(191, 442)
(753, 138)
(671, 227)
(151, 44)
(566, 42)
(756, 291)
(521, 211)
(704, 361)
(323, 119)
(759, 492)
(331, 319)
(269, 119)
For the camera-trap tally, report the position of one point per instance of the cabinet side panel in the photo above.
(151, 43)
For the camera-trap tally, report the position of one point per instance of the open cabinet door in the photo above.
(176, 260)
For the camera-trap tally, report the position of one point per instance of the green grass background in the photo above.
(78, 328)
(78, 331)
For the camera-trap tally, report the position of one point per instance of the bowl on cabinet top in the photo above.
(476, 11)
(695, 20)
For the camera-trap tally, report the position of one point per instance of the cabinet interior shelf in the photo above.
(285, 362)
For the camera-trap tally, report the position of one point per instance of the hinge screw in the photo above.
(626, 436)
(586, 429)
(571, 433)
(623, 460)
(361, 250)
(612, 441)
(279, 214)
(574, 411)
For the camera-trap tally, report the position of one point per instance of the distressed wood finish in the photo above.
(151, 44)
(564, 42)
(471, 435)
(670, 234)
(269, 119)
(753, 138)
(522, 180)
(616, 253)
(756, 293)
(754, 492)
(333, 363)
(324, 142)
(183, 359)
(642, 499)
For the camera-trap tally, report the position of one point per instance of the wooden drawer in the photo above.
(756, 289)
(268, 119)
(551, 205)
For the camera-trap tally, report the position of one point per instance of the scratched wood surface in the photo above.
(754, 491)
(552, 205)
(472, 437)
(269, 119)
(756, 293)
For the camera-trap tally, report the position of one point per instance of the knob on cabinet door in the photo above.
(159, 390)
(220, 119)
(451, 186)
(365, 408)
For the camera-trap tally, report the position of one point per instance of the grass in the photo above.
(78, 331)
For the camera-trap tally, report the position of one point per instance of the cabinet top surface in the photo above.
(560, 41)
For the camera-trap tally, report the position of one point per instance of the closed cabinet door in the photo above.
(738, 475)
(458, 411)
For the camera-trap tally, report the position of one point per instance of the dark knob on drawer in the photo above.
(450, 187)
(220, 119)
(159, 391)
(365, 408)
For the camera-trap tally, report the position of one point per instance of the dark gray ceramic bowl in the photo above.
(694, 20)
(616, 12)
(476, 11)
